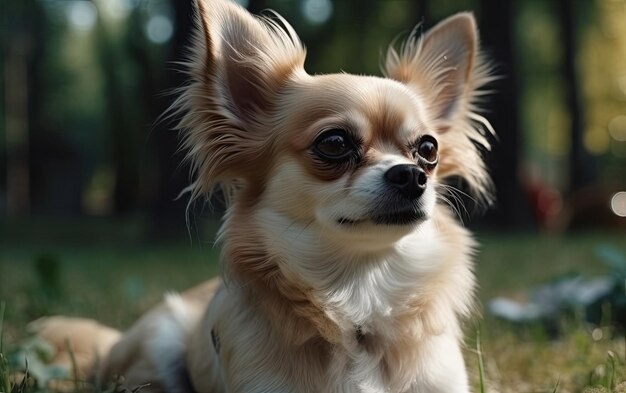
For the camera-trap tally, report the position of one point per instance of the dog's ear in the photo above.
(238, 64)
(439, 65)
(248, 58)
(446, 71)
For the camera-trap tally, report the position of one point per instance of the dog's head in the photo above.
(360, 157)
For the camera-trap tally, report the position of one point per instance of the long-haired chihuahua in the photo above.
(344, 268)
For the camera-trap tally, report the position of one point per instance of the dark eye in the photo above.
(334, 145)
(427, 149)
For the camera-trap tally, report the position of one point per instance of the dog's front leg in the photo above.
(443, 369)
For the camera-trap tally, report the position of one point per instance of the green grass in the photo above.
(114, 275)
(524, 359)
(115, 284)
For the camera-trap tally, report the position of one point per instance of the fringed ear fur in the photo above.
(237, 65)
(445, 68)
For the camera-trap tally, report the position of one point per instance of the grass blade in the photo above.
(481, 365)
(2, 308)
(611, 381)
(5, 375)
(556, 387)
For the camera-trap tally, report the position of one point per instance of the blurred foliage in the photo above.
(83, 82)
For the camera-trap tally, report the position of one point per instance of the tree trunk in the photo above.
(22, 50)
(511, 210)
(167, 214)
(582, 167)
(123, 146)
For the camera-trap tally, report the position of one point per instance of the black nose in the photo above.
(409, 179)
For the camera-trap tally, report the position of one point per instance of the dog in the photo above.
(344, 267)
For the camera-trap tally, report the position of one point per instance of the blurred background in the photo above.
(89, 176)
(83, 83)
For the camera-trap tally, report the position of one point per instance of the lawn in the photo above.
(108, 271)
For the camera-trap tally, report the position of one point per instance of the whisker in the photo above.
(450, 187)
(452, 206)
(458, 200)
(478, 204)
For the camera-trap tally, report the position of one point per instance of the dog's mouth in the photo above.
(406, 217)
(400, 217)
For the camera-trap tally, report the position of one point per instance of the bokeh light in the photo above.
(159, 29)
(317, 11)
(82, 15)
(618, 203)
(617, 128)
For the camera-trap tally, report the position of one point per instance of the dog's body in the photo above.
(344, 271)
(394, 333)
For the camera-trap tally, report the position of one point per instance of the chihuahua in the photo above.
(344, 267)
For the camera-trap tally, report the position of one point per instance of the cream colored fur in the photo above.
(89, 341)
(319, 296)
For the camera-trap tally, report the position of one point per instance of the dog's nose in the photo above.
(409, 179)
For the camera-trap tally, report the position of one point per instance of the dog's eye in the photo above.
(334, 145)
(426, 149)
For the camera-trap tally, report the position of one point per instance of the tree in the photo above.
(582, 167)
(497, 33)
(167, 213)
